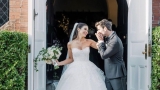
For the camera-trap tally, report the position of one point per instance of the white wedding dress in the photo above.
(82, 74)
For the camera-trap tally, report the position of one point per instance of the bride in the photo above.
(81, 74)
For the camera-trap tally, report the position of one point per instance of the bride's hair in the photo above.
(80, 25)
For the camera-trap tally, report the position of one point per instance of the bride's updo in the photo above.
(79, 25)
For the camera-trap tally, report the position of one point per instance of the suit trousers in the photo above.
(116, 83)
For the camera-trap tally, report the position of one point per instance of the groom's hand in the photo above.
(99, 36)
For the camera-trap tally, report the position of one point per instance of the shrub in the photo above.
(13, 60)
(156, 58)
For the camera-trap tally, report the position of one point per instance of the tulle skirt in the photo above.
(82, 75)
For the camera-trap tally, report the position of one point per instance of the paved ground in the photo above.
(52, 86)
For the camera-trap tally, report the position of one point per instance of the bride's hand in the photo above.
(56, 62)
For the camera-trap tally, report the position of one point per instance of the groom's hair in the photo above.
(104, 23)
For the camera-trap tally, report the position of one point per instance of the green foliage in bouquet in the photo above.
(156, 59)
(13, 60)
(49, 55)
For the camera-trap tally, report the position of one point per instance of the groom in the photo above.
(110, 48)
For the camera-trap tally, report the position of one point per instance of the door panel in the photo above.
(39, 43)
(138, 41)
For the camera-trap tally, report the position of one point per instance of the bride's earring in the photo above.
(78, 30)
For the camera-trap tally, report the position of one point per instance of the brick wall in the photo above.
(156, 13)
(18, 16)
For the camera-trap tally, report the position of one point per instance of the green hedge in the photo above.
(156, 59)
(13, 60)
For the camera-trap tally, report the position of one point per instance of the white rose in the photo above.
(59, 54)
(49, 50)
(50, 56)
(48, 61)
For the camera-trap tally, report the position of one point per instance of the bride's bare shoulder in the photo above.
(70, 43)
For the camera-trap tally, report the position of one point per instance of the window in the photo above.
(4, 11)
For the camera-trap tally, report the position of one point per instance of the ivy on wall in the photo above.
(13, 60)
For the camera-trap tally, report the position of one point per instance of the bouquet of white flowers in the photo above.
(50, 55)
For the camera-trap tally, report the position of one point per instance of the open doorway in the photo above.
(62, 14)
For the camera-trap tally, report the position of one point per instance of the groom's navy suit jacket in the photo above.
(111, 51)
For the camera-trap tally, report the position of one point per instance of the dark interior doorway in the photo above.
(60, 24)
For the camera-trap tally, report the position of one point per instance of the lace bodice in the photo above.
(82, 55)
